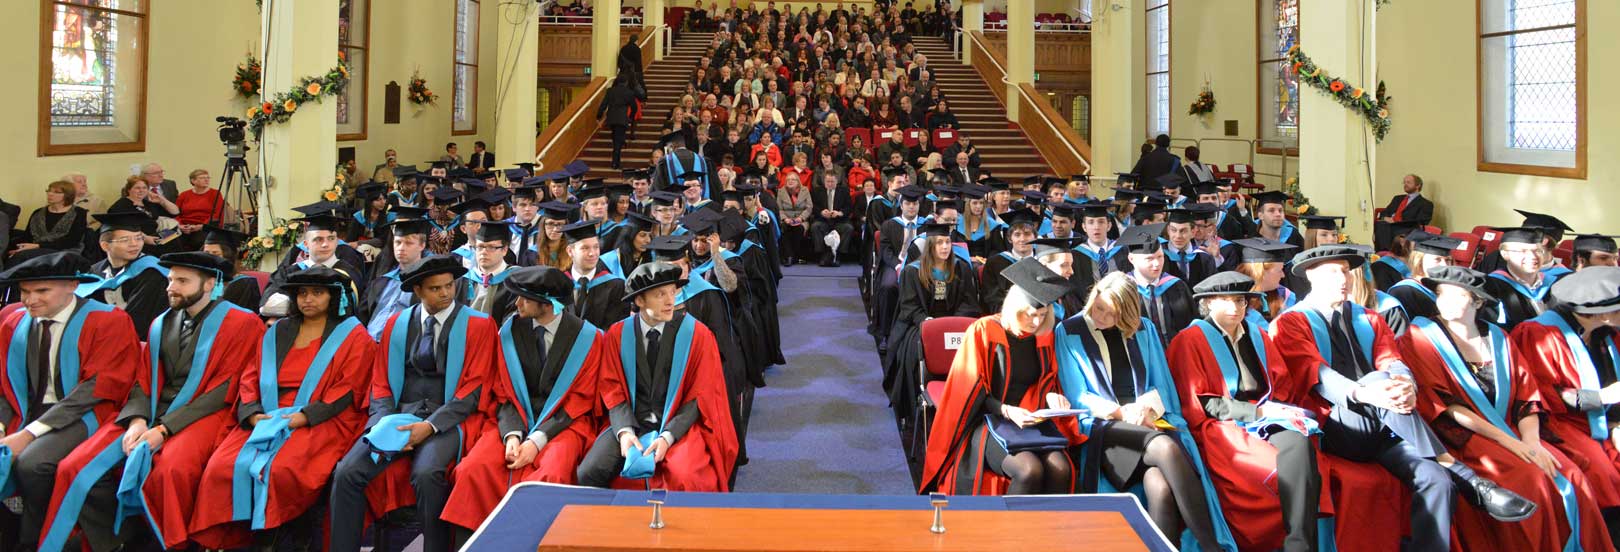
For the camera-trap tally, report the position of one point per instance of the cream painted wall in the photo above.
(195, 46)
(1427, 55)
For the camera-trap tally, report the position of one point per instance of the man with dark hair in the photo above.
(451, 159)
(1158, 161)
(482, 160)
(1410, 208)
(615, 111)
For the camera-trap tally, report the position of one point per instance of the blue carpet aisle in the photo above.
(823, 425)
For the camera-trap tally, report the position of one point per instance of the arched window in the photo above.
(1532, 56)
(1279, 87)
(464, 100)
(92, 76)
(354, 40)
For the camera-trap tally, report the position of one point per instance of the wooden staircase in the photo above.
(1004, 150)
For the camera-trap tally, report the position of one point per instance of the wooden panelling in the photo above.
(1045, 126)
(1062, 59)
(571, 127)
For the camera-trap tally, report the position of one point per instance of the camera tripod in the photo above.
(236, 188)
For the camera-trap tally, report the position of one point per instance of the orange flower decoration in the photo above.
(1336, 86)
(290, 106)
(344, 70)
(314, 89)
(267, 107)
(253, 112)
(1357, 93)
(330, 196)
(1297, 65)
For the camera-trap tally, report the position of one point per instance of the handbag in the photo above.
(1040, 437)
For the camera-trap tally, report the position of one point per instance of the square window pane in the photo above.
(1280, 113)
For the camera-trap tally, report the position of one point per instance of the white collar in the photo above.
(60, 318)
(440, 316)
(574, 273)
(646, 328)
(551, 328)
(479, 270)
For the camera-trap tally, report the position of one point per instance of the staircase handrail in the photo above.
(588, 102)
(1076, 146)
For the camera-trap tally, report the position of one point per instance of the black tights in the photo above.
(1037, 473)
(1175, 494)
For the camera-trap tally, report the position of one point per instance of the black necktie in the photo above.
(42, 341)
(579, 291)
(422, 354)
(1347, 360)
(187, 328)
(1122, 376)
(652, 348)
(540, 343)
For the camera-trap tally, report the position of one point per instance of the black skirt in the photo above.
(1123, 447)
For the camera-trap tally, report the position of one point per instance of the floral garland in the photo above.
(1374, 108)
(282, 106)
(1302, 204)
(419, 93)
(1205, 104)
(284, 233)
(249, 77)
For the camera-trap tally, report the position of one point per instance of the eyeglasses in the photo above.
(490, 247)
(126, 240)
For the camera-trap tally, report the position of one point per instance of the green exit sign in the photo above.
(587, 70)
(1037, 76)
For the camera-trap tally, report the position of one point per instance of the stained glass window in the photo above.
(354, 39)
(1279, 86)
(95, 76)
(1530, 65)
(464, 100)
(1158, 67)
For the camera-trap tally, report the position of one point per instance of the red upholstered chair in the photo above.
(1467, 253)
(262, 277)
(944, 138)
(1488, 239)
(864, 133)
(941, 337)
(1565, 251)
(881, 136)
(1432, 229)
(914, 136)
(1244, 176)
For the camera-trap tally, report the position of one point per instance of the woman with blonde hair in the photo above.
(1110, 360)
(937, 283)
(1263, 261)
(986, 439)
(1428, 252)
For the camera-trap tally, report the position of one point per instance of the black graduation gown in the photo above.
(601, 304)
(761, 299)
(709, 307)
(1512, 307)
(1235, 226)
(990, 243)
(345, 253)
(961, 298)
(1415, 301)
(627, 260)
(1200, 266)
(764, 234)
(1171, 307)
(992, 287)
(243, 291)
(146, 294)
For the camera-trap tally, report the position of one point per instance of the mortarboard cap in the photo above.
(1528, 235)
(1594, 290)
(581, 230)
(1016, 217)
(593, 188)
(913, 193)
(1042, 285)
(445, 194)
(669, 248)
(1262, 250)
(557, 210)
(1547, 223)
(1033, 197)
(223, 236)
(665, 198)
(1594, 242)
(1273, 196)
(540, 283)
(474, 204)
(1322, 222)
(1225, 283)
(1354, 254)
(1436, 245)
(494, 230)
(1142, 238)
(60, 265)
(427, 266)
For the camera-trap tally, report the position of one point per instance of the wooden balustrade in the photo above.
(572, 128)
(1048, 131)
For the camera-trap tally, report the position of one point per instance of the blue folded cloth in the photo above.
(251, 486)
(1040, 437)
(136, 468)
(1302, 422)
(386, 441)
(6, 486)
(638, 465)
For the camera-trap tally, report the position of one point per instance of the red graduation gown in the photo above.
(1351, 485)
(951, 465)
(704, 458)
(299, 472)
(1240, 465)
(481, 479)
(1552, 366)
(1474, 529)
(392, 490)
(109, 352)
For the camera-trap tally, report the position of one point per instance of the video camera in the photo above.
(233, 133)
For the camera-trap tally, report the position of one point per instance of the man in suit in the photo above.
(1410, 208)
(615, 112)
(482, 160)
(1158, 162)
(152, 173)
(829, 212)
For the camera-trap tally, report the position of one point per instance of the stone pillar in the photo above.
(652, 15)
(517, 26)
(972, 21)
(1119, 109)
(605, 39)
(1020, 52)
(299, 155)
(1336, 146)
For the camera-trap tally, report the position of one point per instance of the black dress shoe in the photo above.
(1498, 501)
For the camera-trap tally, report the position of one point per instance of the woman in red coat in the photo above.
(297, 406)
(1005, 369)
(1480, 398)
(1571, 352)
(1235, 394)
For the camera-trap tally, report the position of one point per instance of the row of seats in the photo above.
(940, 139)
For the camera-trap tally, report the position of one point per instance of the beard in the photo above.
(179, 302)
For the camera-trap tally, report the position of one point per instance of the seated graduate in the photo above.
(1484, 403)
(297, 405)
(1166, 299)
(385, 296)
(1571, 352)
(938, 283)
(1063, 217)
(636, 231)
(481, 286)
(1099, 254)
(176, 414)
(542, 397)
(1521, 284)
(340, 248)
(985, 439)
(470, 216)
(755, 297)
(525, 216)
(1365, 397)
(678, 436)
(1184, 259)
(597, 295)
(1389, 265)
(1270, 222)
(71, 363)
(1319, 230)
(666, 212)
(549, 248)
(373, 214)
(894, 235)
(129, 279)
(444, 233)
(424, 400)
(241, 290)
(1111, 362)
(830, 212)
(1427, 253)
(1057, 255)
(1239, 400)
(1021, 225)
(984, 234)
(1207, 237)
(1595, 250)
(1262, 260)
(1552, 232)
(320, 242)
